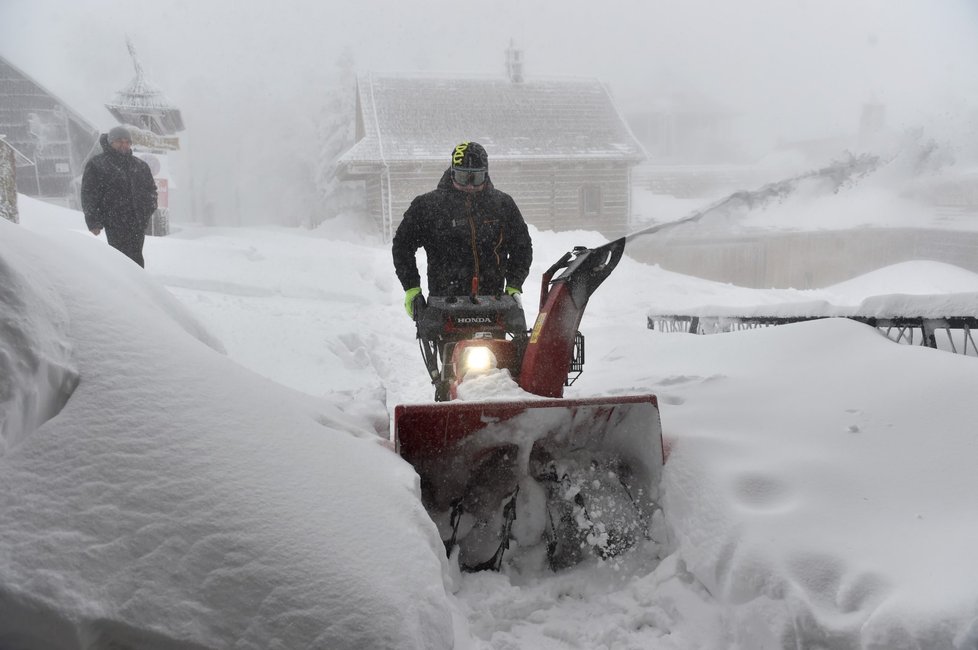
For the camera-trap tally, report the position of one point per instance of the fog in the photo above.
(252, 78)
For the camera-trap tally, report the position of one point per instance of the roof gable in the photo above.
(422, 118)
(14, 82)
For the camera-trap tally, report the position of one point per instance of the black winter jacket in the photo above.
(465, 235)
(118, 190)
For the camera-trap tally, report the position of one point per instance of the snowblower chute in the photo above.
(572, 476)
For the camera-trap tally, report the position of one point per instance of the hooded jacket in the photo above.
(465, 235)
(118, 190)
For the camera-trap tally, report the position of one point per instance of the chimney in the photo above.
(514, 63)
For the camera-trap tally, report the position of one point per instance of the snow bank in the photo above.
(157, 495)
(916, 277)
(820, 480)
(918, 289)
(36, 371)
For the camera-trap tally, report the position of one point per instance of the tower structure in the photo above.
(143, 104)
(154, 122)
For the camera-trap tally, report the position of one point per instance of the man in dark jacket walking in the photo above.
(473, 234)
(119, 194)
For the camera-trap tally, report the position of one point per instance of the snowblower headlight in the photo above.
(476, 359)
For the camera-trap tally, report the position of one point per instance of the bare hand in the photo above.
(96, 231)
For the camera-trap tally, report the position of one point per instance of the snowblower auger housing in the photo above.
(577, 477)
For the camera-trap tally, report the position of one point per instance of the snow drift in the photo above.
(157, 495)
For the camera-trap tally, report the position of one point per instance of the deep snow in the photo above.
(818, 492)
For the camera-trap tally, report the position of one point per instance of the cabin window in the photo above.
(591, 201)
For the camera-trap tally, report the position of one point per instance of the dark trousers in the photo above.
(128, 241)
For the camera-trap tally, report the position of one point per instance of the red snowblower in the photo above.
(532, 476)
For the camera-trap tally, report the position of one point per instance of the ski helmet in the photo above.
(470, 155)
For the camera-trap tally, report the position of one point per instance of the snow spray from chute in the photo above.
(834, 177)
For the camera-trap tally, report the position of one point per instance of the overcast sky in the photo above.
(789, 68)
(807, 65)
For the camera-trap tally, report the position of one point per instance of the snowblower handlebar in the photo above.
(449, 316)
(585, 270)
(549, 275)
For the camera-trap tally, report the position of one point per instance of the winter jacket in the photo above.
(118, 190)
(465, 235)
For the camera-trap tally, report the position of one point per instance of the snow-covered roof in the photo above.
(18, 156)
(10, 87)
(142, 94)
(421, 118)
(142, 98)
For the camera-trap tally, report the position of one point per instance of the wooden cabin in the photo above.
(52, 140)
(560, 148)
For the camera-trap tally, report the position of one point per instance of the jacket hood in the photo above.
(107, 148)
(446, 182)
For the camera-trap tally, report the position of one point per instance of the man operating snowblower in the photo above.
(580, 475)
(475, 239)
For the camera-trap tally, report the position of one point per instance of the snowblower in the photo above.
(573, 477)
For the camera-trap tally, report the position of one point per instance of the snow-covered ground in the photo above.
(160, 494)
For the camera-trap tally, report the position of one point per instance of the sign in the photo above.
(152, 161)
(162, 192)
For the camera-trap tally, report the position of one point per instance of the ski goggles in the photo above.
(469, 176)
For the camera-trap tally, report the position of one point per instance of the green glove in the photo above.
(409, 297)
(517, 295)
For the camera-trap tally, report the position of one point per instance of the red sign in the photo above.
(162, 193)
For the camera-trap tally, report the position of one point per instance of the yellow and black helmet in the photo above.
(470, 155)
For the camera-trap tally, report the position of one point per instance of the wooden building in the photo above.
(52, 140)
(560, 148)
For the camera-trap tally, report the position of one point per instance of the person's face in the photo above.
(122, 146)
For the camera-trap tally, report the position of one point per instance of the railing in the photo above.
(957, 331)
